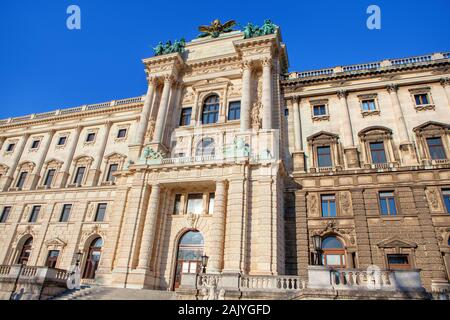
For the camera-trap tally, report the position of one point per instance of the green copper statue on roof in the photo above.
(251, 30)
(169, 47)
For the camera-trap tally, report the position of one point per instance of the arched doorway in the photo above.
(93, 258)
(26, 251)
(189, 255)
(333, 252)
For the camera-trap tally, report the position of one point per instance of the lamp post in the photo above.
(317, 240)
(204, 263)
(79, 254)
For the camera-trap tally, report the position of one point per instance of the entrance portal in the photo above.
(93, 258)
(189, 256)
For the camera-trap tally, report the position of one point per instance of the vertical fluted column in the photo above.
(445, 82)
(162, 111)
(267, 94)
(298, 139)
(246, 96)
(148, 235)
(217, 233)
(398, 114)
(64, 174)
(347, 124)
(37, 173)
(15, 161)
(94, 172)
(145, 114)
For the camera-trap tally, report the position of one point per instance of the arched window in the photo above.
(205, 147)
(26, 251)
(210, 113)
(93, 258)
(189, 257)
(333, 252)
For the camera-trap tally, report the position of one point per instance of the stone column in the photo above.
(94, 172)
(267, 94)
(2, 141)
(148, 235)
(246, 96)
(6, 183)
(398, 114)
(34, 178)
(298, 155)
(162, 111)
(350, 150)
(63, 175)
(217, 233)
(445, 82)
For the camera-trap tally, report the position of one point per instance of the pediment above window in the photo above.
(395, 242)
(3, 169)
(53, 163)
(375, 133)
(55, 242)
(27, 166)
(432, 128)
(86, 160)
(115, 156)
(323, 137)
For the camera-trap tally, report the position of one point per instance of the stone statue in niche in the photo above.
(150, 129)
(433, 198)
(256, 119)
(312, 203)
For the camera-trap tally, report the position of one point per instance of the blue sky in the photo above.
(44, 66)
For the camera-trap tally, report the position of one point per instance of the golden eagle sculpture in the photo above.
(216, 28)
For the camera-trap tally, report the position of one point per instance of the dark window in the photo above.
(328, 205)
(122, 133)
(90, 137)
(65, 213)
(320, 110)
(387, 203)
(34, 214)
(421, 99)
(177, 206)
(210, 112)
(49, 178)
(234, 110)
(21, 180)
(286, 112)
(112, 169)
(10, 147)
(52, 258)
(324, 156)
(446, 195)
(35, 144)
(369, 105)
(436, 148)
(5, 214)
(185, 119)
(101, 210)
(79, 175)
(62, 141)
(377, 152)
(398, 261)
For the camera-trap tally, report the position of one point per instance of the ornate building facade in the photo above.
(229, 155)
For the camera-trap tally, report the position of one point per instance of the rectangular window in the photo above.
(177, 206)
(446, 196)
(195, 203)
(90, 137)
(35, 144)
(421, 99)
(185, 119)
(62, 141)
(22, 179)
(398, 261)
(369, 105)
(377, 152)
(52, 258)
(436, 148)
(211, 203)
(101, 211)
(320, 110)
(10, 147)
(65, 213)
(328, 205)
(79, 175)
(286, 112)
(5, 214)
(34, 214)
(112, 169)
(234, 110)
(387, 203)
(122, 133)
(324, 157)
(49, 178)
(210, 114)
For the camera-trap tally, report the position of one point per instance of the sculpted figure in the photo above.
(159, 50)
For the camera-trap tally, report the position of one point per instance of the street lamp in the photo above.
(204, 263)
(317, 240)
(79, 254)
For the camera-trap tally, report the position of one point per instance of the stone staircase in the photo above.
(107, 293)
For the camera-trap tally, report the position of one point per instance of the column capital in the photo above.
(393, 87)
(295, 99)
(342, 94)
(266, 62)
(247, 65)
(444, 81)
(168, 78)
(152, 80)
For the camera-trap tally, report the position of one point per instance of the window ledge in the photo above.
(424, 107)
(321, 118)
(74, 185)
(370, 113)
(15, 189)
(108, 183)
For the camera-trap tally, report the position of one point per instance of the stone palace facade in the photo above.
(232, 156)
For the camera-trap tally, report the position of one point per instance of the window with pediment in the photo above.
(422, 99)
(81, 167)
(114, 162)
(23, 171)
(51, 169)
(398, 254)
(433, 142)
(377, 148)
(326, 152)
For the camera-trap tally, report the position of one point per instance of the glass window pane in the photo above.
(332, 212)
(195, 203)
(383, 206)
(177, 205)
(101, 210)
(392, 207)
(331, 243)
(211, 203)
(333, 259)
(447, 202)
(324, 156)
